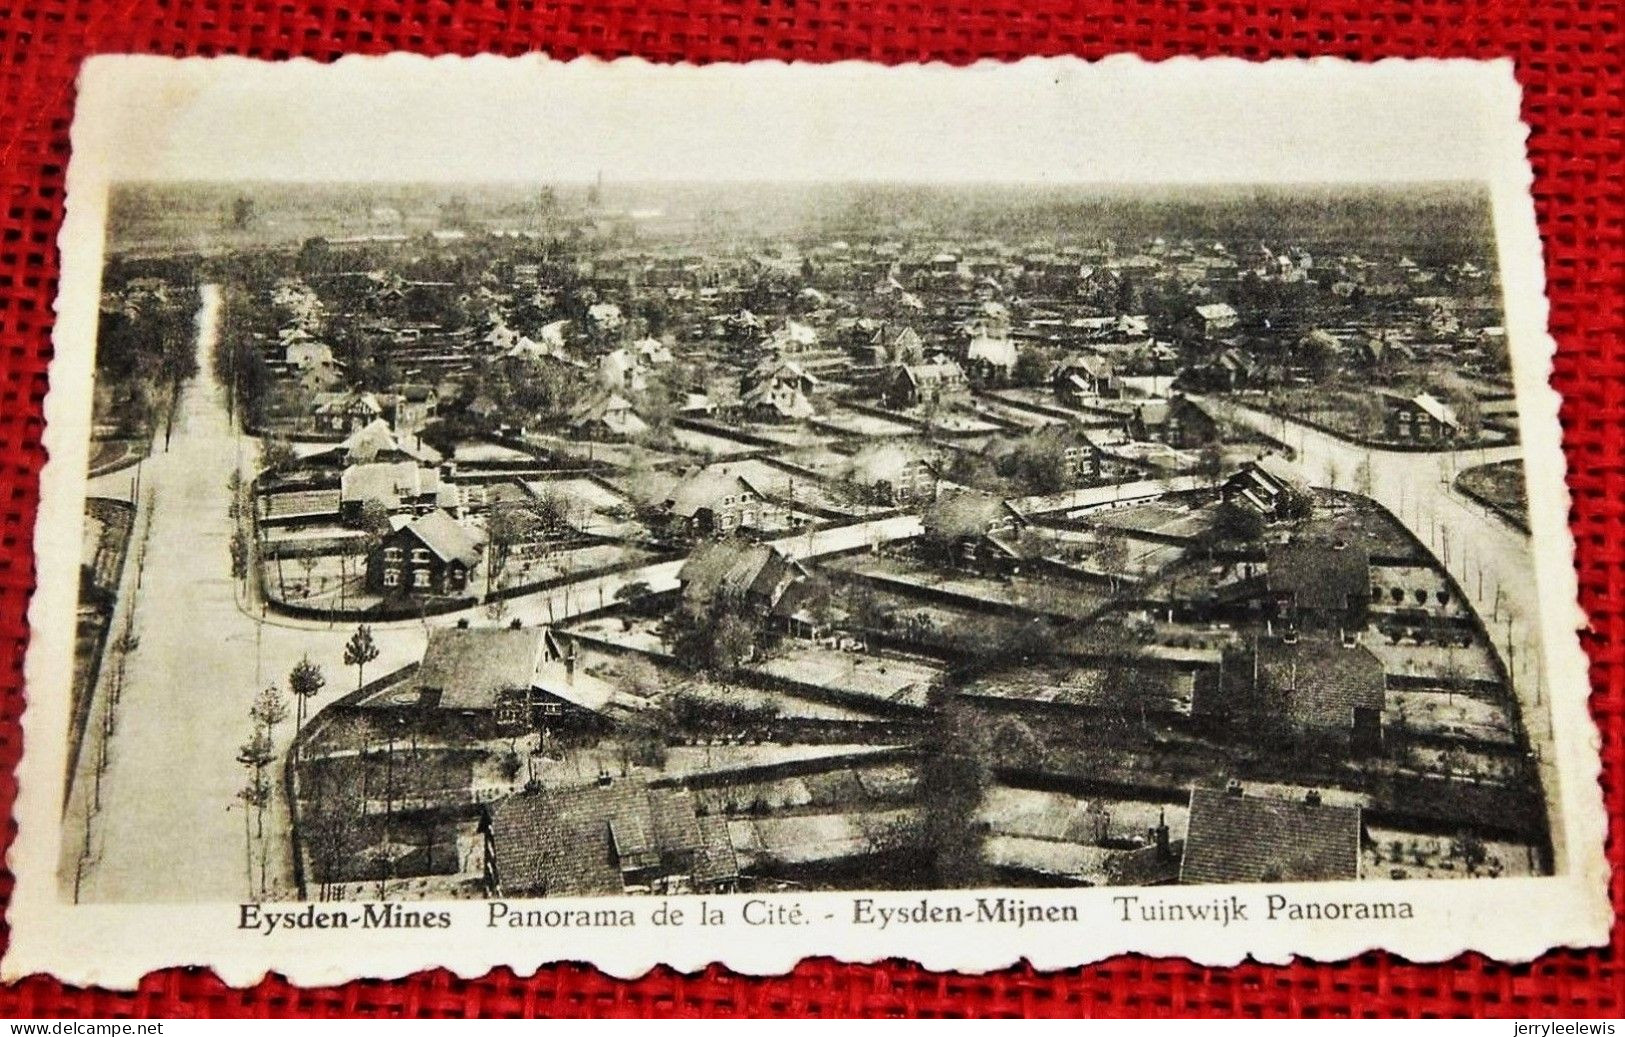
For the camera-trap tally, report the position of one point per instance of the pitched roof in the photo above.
(1216, 311)
(471, 668)
(1318, 575)
(1433, 408)
(582, 841)
(936, 371)
(734, 569)
(885, 461)
(1323, 681)
(1000, 352)
(387, 483)
(705, 488)
(1233, 838)
(447, 538)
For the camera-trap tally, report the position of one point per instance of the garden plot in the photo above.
(622, 455)
(960, 421)
(1160, 519)
(788, 486)
(1412, 587)
(574, 561)
(1067, 600)
(1393, 854)
(1038, 398)
(1451, 714)
(859, 423)
(710, 444)
(482, 452)
(1017, 415)
(1435, 661)
(1359, 522)
(301, 504)
(638, 633)
(1057, 816)
(887, 678)
(796, 436)
(810, 838)
(596, 508)
(785, 705)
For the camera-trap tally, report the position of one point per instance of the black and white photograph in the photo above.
(1066, 493)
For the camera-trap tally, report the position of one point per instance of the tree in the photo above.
(1210, 463)
(506, 529)
(632, 593)
(1362, 477)
(277, 455)
(359, 651)
(1234, 521)
(1111, 554)
(306, 682)
(239, 554)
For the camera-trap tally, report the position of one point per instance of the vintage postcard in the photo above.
(507, 511)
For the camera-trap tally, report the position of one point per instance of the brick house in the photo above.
(1418, 419)
(616, 836)
(1232, 837)
(941, 380)
(431, 556)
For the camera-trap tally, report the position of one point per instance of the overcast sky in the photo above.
(412, 119)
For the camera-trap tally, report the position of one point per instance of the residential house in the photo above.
(1418, 419)
(1236, 838)
(1265, 485)
(306, 352)
(940, 381)
(754, 578)
(718, 500)
(609, 416)
(431, 556)
(1215, 318)
(378, 442)
(990, 360)
(1179, 422)
(893, 473)
(1082, 379)
(509, 679)
(345, 412)
(1326, 685)
(412, 405)
(621, 370)
(894, 344)
(976, 530)
(401, 487)
(775, 401)
(1319, 585)
(619, 835)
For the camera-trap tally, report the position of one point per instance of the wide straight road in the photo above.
(170, 827)
(1490, 559)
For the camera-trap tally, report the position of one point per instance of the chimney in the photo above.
(1312, 797)
(1161, 833)
(570, 663)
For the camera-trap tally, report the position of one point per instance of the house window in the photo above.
(392, 577)
(392, 554)
(420, 578)
(420, 555)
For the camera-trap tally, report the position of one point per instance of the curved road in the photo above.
(1490, 559)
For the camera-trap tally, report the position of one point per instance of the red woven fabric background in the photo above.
(1568, 56)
